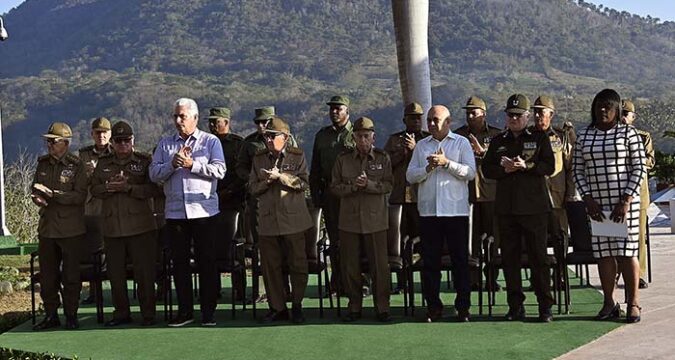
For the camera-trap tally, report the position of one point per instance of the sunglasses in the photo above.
(122, 140)
(258, 122)
(271, 135)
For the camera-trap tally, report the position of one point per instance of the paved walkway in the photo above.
(654, 336)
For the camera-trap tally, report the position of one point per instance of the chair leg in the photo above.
(320, 287)
(232, 296)
(411, 291)
(480, 289)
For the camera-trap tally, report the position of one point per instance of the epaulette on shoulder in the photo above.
(86, 148)
(397, 133)
(251, 136)
(261, 151)
(294, 150)
(105, 156)
(379, 151)
(345, 152)
(494, 128)
(142, 155)
(43, 157)
(236, 136)
(70, 157)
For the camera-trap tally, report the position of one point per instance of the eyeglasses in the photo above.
(517, 116)
(258, 122)
(53, 141)
(123, 140)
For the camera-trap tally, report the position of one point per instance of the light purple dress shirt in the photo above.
(190, 193)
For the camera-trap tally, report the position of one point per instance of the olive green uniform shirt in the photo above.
(89, 154)
(66, 177)
(481, 188)
(232, 188)
(329, 142)
(561, 184)
(402, 192)
(363, 211)
(282, 206)
(253, 143)
(126, 213)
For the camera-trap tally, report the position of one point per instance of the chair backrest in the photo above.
(394, 233)
(580, 230)
(229, 225)
(313, 235)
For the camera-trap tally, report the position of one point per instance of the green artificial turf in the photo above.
(407, 337)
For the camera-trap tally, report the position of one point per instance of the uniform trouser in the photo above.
(201, 234)
(331, 214)
(375, 246)
(453, 231)
(410, 226)
(642, 240)
(60, 264)
(275, 251)
(142, 249)
(532, 229)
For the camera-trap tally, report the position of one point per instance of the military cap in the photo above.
(544, 102)
(264, 113)
(58, 130)
(413, 109)
(100, 124)
(339, 100)
(219, 112)
(364, 123)
(122, 130)
(277, 125)
(475, 102)
(517, 104)
(627, 105)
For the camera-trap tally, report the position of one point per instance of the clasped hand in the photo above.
(183, 158)
(512, 165)
(361, 181)
(436, 159)
(271, 174)
(117, 183)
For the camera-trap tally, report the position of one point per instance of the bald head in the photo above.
(438, 121)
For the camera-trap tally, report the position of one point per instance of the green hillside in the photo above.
(72, 60)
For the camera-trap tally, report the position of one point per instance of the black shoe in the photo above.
(384, 317)
(298, 317)
(208, 321)
(643, 284)
(117, 322)
(545, 315)
(88, 300)
(434, 314)
(50, 321)
(463, 315)
(351, 317)
(148, 322)
(274, 316)
(609, 314)
(182, 320)
(632, 319)
(72, 323)
(515, 314)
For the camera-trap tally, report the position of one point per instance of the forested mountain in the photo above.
(72, 60)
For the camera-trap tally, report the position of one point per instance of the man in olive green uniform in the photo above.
(400, 147)
(520, 159)
(362, 178)
(481, 190)
(122, 182)
(560, 184)
(329, 142)
(279, 180)
(628, 116)
(231, 189)
(100, 133)
(60, 189)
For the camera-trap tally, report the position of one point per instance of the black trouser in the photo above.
(201, 234)
(533, 230)
(453, 231)
(60, 264)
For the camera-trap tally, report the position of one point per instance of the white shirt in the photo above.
(444, 191)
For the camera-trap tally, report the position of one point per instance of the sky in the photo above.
(662, 9)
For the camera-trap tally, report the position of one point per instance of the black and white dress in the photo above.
(608, 164)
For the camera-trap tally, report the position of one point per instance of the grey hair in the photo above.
(190, 104)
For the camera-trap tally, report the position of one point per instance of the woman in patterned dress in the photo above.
(608, 167)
